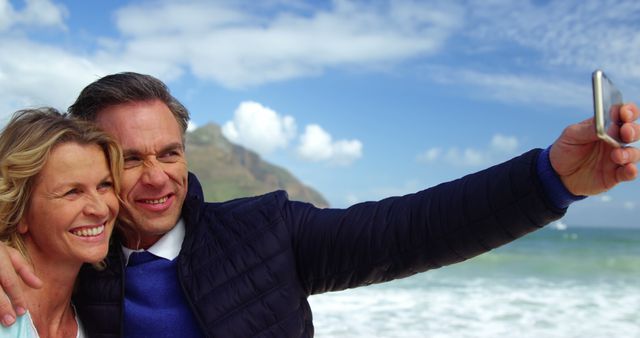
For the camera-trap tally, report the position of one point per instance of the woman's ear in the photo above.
(23, 228)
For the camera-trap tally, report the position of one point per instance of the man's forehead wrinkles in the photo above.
(156, 150)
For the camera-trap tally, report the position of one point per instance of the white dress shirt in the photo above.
(167, 247)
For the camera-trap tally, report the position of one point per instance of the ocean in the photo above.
(576, 282)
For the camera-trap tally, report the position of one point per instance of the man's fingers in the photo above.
(622, 156)
(630, 132)
(629, 112)
(13, 269)
(627, 172)
(10, 290)
(627, 159)
(23, 268)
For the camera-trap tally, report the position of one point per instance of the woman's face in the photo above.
(73, 206)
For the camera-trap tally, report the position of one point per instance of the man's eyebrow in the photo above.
(168, 147)
(172, 146)
(130, 152)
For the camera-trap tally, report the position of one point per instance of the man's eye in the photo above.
(132, 161)
(170, 156)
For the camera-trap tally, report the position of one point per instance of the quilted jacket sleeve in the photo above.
(374, 242)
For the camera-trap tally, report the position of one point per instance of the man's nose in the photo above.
(152, 173)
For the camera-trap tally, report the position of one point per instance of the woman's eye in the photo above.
(71, 192)
(105, 185)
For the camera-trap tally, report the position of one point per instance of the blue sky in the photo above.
(359, 99)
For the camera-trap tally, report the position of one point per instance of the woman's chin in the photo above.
(94, 256)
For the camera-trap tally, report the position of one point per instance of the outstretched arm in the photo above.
(588, 166)
(373, 242)
(14, 270)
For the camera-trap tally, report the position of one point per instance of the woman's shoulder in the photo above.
(22, 328)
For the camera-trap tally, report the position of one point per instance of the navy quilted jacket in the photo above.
(247, 266)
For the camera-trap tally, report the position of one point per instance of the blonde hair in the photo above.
(25, 145)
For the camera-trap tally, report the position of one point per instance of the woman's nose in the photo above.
(96, 205)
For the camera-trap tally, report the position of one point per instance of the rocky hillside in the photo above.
(228, 171)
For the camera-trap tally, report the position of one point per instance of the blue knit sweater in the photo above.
(153, 295)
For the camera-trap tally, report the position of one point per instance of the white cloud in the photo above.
(585, 35)
(36, 75)
(263, 130)
(229, 43)
(504, 144)
(43, 13)
(170, 17)
(499, 148)
(316, 145)
(236, 45)
(430, 155)
(468, 157)
(191, 126)
(546, 51)
(629, 205)
(6, 14)
(259, 128)
(352, 199)
(515, 88)
(236, 48)
(346, 152)
(606, 198)
(35, 13)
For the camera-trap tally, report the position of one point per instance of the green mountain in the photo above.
(228, 171)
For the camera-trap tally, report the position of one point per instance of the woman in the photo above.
(58, 204)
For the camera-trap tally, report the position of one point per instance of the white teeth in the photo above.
(88, 232)
(158, 201)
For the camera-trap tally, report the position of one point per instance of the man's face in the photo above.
(154, 181)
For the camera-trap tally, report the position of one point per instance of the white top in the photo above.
(24, 328)
(167, 247)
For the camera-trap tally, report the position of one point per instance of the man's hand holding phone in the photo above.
(591, 156)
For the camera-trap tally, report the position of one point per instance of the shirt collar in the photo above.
(167, 247)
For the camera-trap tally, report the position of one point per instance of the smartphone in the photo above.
(607, 100)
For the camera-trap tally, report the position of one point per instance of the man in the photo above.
(246, 267)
